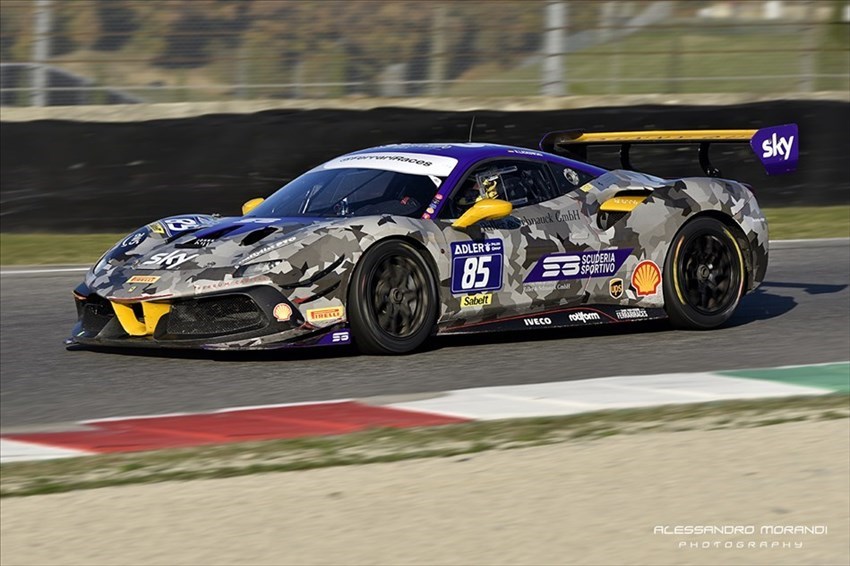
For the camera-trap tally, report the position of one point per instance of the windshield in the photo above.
(351, 192)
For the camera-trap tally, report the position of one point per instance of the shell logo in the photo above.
(645, 278)
(282, 312)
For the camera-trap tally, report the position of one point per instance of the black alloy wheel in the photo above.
(392, 299)
(703, 275)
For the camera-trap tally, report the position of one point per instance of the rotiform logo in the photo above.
(584, 316)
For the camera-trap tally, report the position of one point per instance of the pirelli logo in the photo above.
(326, 314)
(143, 279)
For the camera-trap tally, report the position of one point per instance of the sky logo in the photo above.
(778, 147)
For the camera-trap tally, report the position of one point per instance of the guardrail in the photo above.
(71, 176)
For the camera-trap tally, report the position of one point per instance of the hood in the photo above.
(227, 243)
(151, 263)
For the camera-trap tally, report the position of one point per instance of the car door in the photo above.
(528, 262)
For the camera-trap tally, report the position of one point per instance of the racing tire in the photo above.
(392, 299)
(703, 275)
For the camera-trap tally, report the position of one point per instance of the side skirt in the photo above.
(569, 317)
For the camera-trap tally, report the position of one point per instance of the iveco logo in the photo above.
(584, 316)
(537, 321)
(556, 266)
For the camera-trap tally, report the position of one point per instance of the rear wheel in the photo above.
(392, 299)
(703, 275)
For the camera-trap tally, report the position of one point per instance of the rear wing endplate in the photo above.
(777, 146)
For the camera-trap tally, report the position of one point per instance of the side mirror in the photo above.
(251, 205)
(485, 209)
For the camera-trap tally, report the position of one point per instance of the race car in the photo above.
(387, 246)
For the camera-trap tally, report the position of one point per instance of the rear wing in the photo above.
(777, 146)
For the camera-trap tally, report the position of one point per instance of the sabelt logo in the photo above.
(544, 321)
(479, 300)
(326, 314)
(584, 316)
(148, 279)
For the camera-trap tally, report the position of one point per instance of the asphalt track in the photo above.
(800, 315)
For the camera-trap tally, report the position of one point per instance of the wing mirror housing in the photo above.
(251, 205)
(485, 209)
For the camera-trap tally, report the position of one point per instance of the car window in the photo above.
(350, 192)
(521, 183)
(567, 178)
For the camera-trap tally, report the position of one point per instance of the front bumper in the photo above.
(238, 320)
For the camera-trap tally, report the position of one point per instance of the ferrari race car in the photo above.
(386, 246)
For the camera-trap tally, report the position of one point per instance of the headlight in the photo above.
(258, 268)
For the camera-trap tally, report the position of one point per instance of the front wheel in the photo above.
(703, 275)
(392, 300)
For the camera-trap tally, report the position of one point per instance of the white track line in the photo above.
(214, 411)
(18, 451)
(43, 271)
(785, 243)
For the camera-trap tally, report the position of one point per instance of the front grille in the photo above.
(97, 312)
(212, 316)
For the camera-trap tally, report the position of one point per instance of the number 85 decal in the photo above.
(476, 273)
(477, 266)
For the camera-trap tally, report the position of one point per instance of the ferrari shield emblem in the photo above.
(615, 288)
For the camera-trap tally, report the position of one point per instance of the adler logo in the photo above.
(545, 321)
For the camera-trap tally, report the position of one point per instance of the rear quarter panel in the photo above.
(651, 227)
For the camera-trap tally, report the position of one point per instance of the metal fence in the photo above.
(59, 52)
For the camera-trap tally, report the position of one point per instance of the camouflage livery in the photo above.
(191, 265)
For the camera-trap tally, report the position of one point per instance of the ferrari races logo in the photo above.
(646, 278)
(631, 314)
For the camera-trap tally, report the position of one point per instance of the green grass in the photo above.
(808, 222)
(716, 60)
(392, 445)
(45, 249)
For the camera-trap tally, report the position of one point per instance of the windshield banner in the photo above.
(399, 162)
